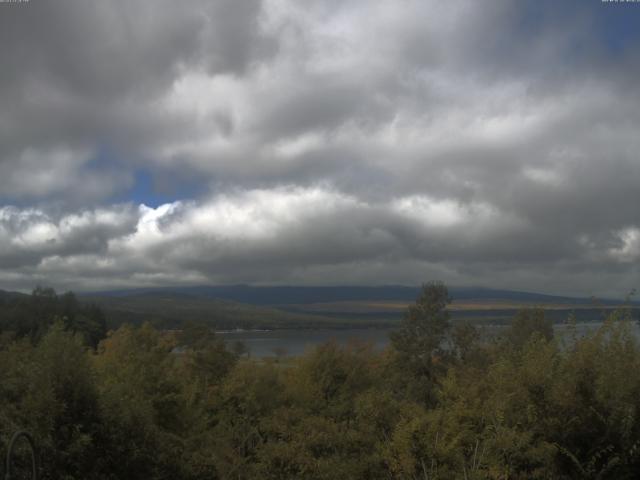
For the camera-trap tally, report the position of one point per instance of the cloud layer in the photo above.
(324, 142)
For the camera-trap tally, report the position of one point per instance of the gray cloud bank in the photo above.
(337, 142)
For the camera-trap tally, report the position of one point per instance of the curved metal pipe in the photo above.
(32, 447)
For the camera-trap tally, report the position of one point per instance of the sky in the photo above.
(324, 142)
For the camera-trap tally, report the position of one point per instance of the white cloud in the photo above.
(629, 250)
(349, 137)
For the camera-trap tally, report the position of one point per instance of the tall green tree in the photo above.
(419, 342)
(527, 323)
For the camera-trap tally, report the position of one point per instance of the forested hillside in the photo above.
(440, 403)
(286, 307)
(31, 316)
(284, 295)
(166, 310)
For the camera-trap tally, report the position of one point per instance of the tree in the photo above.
(419, 341)
(49, 390)
(465, 338)
(527, 323)
(32, 316)
(143, 404)
(206, 357)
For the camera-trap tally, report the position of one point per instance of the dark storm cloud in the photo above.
(358, 141)
(78, 75)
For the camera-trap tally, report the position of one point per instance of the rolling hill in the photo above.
(170, 310)
(288, 307)
(283, 295)
(273, 307)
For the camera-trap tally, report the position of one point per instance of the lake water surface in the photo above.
(265, 343)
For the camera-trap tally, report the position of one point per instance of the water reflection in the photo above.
(265, 343)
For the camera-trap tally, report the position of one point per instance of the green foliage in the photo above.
(465, 338)
(31, 316)
(441, 403)
(205, 355)
(166, 311)
(49, 390)
(142, 402)
(418, 343)
(527, 323)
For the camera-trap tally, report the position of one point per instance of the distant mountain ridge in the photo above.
(293, 307)
(284, 295)
(7, 295)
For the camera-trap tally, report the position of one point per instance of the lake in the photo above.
(265, 343)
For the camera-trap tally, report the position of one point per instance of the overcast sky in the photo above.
(153, 142)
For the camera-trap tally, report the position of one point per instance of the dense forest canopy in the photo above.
(441, 402)
(32, 315)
